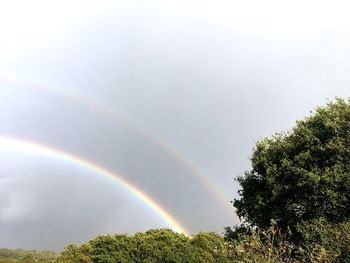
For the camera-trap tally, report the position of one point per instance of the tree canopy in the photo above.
(152, 246)
(302, 174)
(24, 255)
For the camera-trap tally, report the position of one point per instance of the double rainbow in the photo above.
(84, 99)
(215, 187)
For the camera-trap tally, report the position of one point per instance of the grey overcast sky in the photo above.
(170, 95)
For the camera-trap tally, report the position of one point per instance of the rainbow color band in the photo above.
(22, 145)
(208, 180)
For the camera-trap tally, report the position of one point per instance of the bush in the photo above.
(334, 238)
(273, 246)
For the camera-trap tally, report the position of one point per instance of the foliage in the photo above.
(300, 175)
(234, 233)
(74, 254)
(209, 247)
(23, 255)
(273, 246)
(300, 179)
(333, 238)
(117, 248)
(29, 258)
(8, 260)
(152, 246)
(163, 245)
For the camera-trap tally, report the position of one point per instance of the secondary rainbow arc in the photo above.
(210, 182)
(32, 147)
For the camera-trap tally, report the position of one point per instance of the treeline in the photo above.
(26, 256)
(325, 242)
(156, 245)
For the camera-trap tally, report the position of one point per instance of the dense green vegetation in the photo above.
(301, 180)
(26, 256)
(156, 245)
(252, 245)
(294, 207)
(301, 175)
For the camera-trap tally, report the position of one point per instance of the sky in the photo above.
(170, 96)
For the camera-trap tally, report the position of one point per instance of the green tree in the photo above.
(19, 253)
(28, 258)
(300, 175)
(272, 246)
(163, 245)
(209, 248)
(153, 246)
(333, 237)
(74, 254)
(119, 248)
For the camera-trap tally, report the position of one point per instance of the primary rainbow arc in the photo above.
(22, 145)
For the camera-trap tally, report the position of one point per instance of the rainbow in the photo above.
(208, 180)
(31, 147)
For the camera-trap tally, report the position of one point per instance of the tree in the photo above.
(163, 245)
(333, 237)
(74, 254)
(209, 248)
(28, 258)
(300, 175)
(20, 253)
(153, 246)
(272, 246)
(119, 248)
